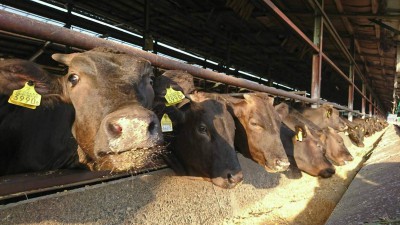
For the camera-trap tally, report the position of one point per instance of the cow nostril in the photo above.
(114, 129)
(152, 127)
(230, 177)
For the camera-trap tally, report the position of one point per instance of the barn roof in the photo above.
(240, 35)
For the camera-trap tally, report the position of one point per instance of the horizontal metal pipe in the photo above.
(25, 26)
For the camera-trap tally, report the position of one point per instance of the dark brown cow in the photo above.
(202, 144)
(109, 92)
(258, 129)
(324, 116)
(308, 152)
(205, 141)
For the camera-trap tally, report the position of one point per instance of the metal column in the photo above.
(351, 77)
(370, 104)
(317, 58)
(363, 100)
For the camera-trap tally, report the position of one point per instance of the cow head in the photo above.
(110, 93)
(309, 153)
(308, 148)
(331, 118)
(336, 151)
(204, 143)
(257, 134)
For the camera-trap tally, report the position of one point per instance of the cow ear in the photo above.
(63, 58)
(15, 73)
(283, 110)
(238, 107)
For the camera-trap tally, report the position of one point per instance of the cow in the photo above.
(324, 116)
(355, 132)
(336, 151)
(105, 98)
(304, 146)
(202, 142)
(257, 123)
(258, 129)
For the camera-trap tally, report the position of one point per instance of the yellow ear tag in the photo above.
(166, 123)
(299, 135)
(173, 97)
(26, 97)
(328, 114)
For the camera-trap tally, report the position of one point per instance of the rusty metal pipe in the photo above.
(25, 26)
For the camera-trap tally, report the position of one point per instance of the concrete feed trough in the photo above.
(162, 198)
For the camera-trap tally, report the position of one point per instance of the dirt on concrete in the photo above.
(162, 198)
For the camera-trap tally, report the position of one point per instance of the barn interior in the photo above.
(274, 43)
(245, 39)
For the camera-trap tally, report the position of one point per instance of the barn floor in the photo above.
(161, 198)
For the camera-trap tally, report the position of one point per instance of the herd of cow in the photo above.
(105, 115)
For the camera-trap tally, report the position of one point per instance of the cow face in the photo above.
(356, 134)
(309, 154)
(257, 134)
(337, 152)
(205, 142)
(331, 118)
(110, 93)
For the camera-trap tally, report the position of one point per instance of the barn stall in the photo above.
(268, 46)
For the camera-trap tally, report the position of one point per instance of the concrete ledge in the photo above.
(161, 198)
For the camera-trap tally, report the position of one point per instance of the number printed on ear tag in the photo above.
(26, 97)
(173, 97)
(166, 123)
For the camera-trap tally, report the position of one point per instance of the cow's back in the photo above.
(36, 140)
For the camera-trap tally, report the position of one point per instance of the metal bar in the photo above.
(317, 59)
(363, 100)
(351, 77)
(337, 38)
(308, 41)
(25, 26)
(370, 104)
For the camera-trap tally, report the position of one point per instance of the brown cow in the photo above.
(355, 132)
(110, 93)
(324, 116)
(257, 131)
(336, 151)
(308, 151)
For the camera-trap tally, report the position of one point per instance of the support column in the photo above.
(363, 100)
(370, 105)
(317, 58)
(396, 75)
(351, 77)
(147, 39)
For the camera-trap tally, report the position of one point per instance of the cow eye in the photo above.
(202, 129)
(73, 79)
(254, 123)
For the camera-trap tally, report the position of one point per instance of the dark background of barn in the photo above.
(245, 35)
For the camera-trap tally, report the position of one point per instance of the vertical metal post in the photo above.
(370, 104)
(146, 35)
(363, 100)
(351, 77)
(317, 58)
(397, 74)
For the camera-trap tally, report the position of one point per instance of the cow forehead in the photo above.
(109, 66)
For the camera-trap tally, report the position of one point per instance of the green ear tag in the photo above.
(173, 97)
(166, 123)
(26, 97)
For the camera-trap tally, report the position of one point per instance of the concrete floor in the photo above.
(162, 198)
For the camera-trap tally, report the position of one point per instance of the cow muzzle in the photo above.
(129, 137)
